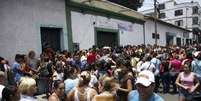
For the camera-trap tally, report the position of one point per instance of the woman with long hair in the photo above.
(187, 83)
(58, 92)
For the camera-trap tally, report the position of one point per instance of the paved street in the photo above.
(170, 97)
(167, 97)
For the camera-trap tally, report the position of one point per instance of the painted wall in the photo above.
(162, 29)
(83, 28)
(20, 22)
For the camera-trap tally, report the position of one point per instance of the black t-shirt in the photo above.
(2, 67)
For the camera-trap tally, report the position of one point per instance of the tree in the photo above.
(133, 4)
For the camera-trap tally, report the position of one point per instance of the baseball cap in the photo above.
(145, 78)
(196, 53)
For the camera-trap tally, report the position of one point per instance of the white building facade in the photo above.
(86, 34)
(37, 24)
(186, 15)
(168, 34)
(23, 21)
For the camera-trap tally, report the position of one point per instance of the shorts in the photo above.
(184, 93)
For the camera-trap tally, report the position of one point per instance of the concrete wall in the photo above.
(20, 22)
(162, 29)
(83, 28)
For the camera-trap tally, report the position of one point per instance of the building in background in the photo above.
(167, 34)
(65, 25)
(186, 15)
(103, 23)
(75, 24)
(32, 25)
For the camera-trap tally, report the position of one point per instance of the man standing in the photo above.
(145, 88)
(157, 63)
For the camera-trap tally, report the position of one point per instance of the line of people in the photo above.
(85, 75)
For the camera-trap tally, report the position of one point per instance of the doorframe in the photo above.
(60, 34)
(96, 29)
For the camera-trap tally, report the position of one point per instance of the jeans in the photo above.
(165, 82)
(157, 83)
(173, 80)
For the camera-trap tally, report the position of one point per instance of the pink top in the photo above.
(187, 80)
(176, 64)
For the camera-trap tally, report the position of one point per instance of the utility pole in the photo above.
(155, 21)
(186, 23)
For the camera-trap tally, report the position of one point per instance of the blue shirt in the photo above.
(70, 84)
(196, 67)
(17, 72)
(156, 62)
(134, 96)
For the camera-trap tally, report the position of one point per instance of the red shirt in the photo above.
(91, 58)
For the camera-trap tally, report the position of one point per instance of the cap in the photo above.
(145, 78)
(196, 53)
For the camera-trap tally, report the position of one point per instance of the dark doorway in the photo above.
(169, 40)
(50, 38)
(105, 38)
(188, 41)
(179, 41)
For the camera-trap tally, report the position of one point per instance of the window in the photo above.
(162, 15)
(157, 36)
(195, 10)
(179, 22)
(195, 20)
(161, 6)
(195, 30)
(178, 12)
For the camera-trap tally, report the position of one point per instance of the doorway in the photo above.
(169, 40)
(178, 41)
(50, 38)
(105, 37)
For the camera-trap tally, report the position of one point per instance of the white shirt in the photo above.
(27, 98)
(58, 76)
(1, 90)
(93, 81)
(148, 66)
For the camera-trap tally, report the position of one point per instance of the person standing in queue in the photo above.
(187, 83)
(58, 93)
(145, 85)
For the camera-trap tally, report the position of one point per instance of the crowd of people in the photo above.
(129, 73)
